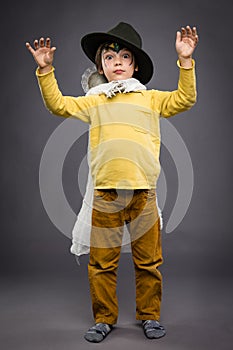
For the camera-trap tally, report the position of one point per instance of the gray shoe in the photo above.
(98, 332)
(153, 329)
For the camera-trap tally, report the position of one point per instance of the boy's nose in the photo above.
(117, 61)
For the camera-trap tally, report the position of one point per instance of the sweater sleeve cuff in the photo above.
(193, 65)
(38, 74)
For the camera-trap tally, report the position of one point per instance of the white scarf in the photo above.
(82, 228)
(117, 86)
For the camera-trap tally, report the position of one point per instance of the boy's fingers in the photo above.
(29, 47)
(178, 35)
(41, 42)
(48, 42)
(196, 38)
(36, 44)
(183, 30)
(188, 31)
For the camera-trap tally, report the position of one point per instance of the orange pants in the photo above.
(111, 209)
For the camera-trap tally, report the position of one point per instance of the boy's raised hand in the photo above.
(186, 42)
(43, 53)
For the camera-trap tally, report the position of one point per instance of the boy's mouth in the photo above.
(118, 71)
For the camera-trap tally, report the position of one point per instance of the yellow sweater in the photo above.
(124, 130)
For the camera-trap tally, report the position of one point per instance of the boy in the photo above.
(125, 146)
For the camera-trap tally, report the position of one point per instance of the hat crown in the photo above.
(127, 33)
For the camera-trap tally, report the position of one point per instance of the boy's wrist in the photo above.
(44, 70)
(185, 62)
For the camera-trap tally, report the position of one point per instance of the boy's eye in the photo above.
(108, 57)
(126, 55)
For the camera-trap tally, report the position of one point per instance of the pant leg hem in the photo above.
(105, 320)
(148, 317)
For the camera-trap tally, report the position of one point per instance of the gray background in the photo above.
(45, 301)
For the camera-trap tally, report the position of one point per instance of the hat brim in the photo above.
(91, 42)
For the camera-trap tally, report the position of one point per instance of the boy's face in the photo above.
(117, 64)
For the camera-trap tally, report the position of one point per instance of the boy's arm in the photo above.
(65, 106)
(173, 102)
(56, 103)
(182, 99)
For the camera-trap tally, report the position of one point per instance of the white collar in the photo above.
(117, 86)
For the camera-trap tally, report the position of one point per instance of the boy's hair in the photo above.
(98, 56)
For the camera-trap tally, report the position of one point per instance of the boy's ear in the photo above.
(136, 69)
(100, 71)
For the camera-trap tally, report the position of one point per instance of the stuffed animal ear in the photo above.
(91, 78)
(96, 79)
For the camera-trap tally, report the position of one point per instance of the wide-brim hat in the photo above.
(124, 34)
